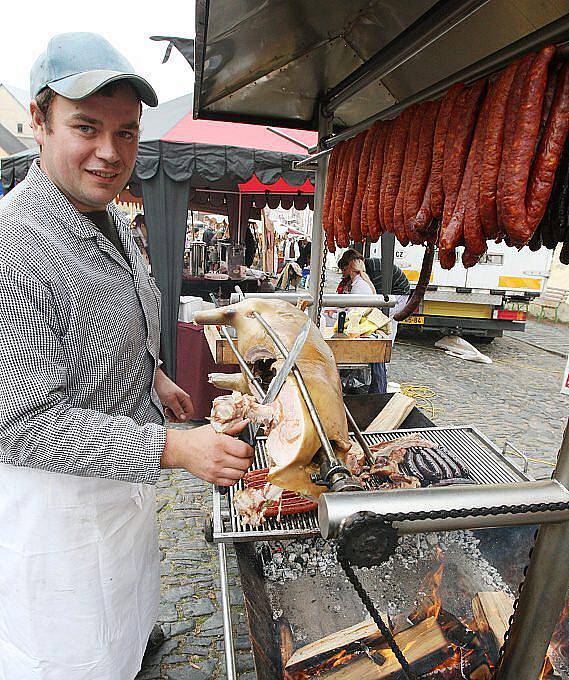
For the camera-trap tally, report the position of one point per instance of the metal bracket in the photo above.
(518, 453)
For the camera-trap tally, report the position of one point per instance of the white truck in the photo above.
(482, 301)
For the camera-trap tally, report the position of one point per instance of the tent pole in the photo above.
(239, 219)
(316, 253)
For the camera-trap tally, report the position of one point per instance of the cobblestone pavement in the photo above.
(548, 335)
(515, 398)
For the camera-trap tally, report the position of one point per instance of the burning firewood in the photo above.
(325, 652)
(424, 646)
(359, 652)
(492, 613)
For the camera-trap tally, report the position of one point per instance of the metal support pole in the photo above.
(387, 257)
(316, 253)
(230, 670)
(543, 594)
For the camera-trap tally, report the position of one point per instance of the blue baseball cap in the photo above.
(76, 65)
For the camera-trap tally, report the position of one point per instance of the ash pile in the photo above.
(393, 585)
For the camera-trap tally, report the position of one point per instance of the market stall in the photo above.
(374, 96)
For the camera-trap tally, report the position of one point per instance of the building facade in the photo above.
(15, 113)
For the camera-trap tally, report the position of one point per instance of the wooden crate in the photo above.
(345, 350)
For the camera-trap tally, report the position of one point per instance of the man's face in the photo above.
(89, 146)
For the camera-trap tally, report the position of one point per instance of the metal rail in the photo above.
(231, 669)
(334, 509)
(556, 31)
(330, 300)
(428, 28)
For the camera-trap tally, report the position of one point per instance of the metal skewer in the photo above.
(240, 359)
(359, 436)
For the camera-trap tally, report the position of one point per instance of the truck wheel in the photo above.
(479, 339)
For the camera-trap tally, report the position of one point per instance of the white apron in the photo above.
(79, 576)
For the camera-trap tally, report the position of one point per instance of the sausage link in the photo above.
(387, 158)
(425, 470)
(457, 481)
(409, 161)
(549, 93)
(419, 225)
(363, 173)
(339, 226)
(443, 463)
(366, 215)
(416, 190)
(439, 141)
(548, 156)
(419, 293)
(562, 202)
(342, 148)
(517, 158)
(374, 227)
(399, 144)
(492, 156)
(352, 187)
(466, 110)
(452, 231)
(474, 238)
(330, 184)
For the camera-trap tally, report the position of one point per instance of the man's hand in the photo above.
(177, 404)
(207, 454)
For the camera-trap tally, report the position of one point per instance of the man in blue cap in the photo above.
(82, 435)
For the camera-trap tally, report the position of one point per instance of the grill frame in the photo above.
(484, 459)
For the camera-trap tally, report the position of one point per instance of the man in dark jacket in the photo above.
(400, 284)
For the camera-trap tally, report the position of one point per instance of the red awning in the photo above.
(254, 186)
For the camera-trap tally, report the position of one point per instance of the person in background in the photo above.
(363, 277)
(400, 287)
(303, 259)
(251, 245)
(208, 235)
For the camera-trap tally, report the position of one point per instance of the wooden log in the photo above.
(317, 653)
(492, 611)
(424, 646)
(392, 414)
(286, 640)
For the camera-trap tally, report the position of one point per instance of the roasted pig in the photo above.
(292, 441)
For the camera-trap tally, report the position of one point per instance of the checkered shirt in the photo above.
(79, 341)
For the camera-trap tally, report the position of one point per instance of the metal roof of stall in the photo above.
(272, 62)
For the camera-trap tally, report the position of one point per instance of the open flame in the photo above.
(468, 656)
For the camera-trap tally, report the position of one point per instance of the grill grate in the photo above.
(484, 460)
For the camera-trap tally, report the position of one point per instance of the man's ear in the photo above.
(39, 124)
